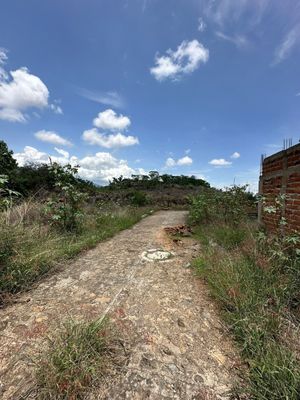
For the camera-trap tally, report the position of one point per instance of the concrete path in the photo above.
(177, 347)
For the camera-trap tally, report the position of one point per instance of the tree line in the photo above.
(33, 177)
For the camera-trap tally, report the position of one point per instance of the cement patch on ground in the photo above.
(153, 255)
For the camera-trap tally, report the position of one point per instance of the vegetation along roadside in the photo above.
(256, 281)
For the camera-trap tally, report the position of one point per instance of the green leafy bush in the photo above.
(138, 198)
(228, 206)
(65, 208)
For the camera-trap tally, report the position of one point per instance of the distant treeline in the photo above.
(32, 178)
(154, 180)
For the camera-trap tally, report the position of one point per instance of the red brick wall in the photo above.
(281, 175)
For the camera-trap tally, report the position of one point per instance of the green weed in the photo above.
(74, 361)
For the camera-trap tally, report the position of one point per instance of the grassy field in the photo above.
(259, 300)
(30, 248)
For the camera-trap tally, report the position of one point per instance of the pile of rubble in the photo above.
(180, 230)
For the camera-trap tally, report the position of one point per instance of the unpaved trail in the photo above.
(177, 347)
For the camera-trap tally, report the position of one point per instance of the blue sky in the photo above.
(197, 87)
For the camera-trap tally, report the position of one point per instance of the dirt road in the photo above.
(178, 349)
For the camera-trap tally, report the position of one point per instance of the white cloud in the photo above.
(186, 59)
(235, 155)
(201, 25)
(3, 59)
(111, 98)
(227, 11)
(64, 153)
(220, 162)
(94, 137)
(100, 167)
(108, 119)
(186, 160)
(56, 109)
(52, 137)
(21, 91)
(238, 40)
(31, 155)
(170, 162)
(9, 114)
(286, 46)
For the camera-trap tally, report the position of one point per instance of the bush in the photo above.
(65, 207)
(227, 206)
(138, 199)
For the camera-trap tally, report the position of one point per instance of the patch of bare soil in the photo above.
(175, 344)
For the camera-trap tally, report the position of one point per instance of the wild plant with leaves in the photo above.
(6, 194)
(282, 247)
(65, 208)
(226, 206)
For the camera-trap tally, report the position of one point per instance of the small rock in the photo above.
(180, 323)
(198, 378)
(147, 362)
(167, 351)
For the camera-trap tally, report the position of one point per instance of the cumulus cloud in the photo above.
(185, 60)
(94, 137)
(170, 162)
(20, 91)
(220, 162)
(287, 44)
(186, 160)
(235, 155)
(108, 119)
(52, 137)
(100, 167)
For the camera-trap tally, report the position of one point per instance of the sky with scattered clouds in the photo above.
(200, 87)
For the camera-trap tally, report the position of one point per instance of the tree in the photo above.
(7, 163)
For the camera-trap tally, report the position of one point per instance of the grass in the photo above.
(30, 250)
(75, 360)
(255, 296)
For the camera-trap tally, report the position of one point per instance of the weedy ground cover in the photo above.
(37, 235)
(75, 360)
(255, 279)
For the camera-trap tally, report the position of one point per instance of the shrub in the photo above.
(65, 207)
(138, 199)
(227, 206)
